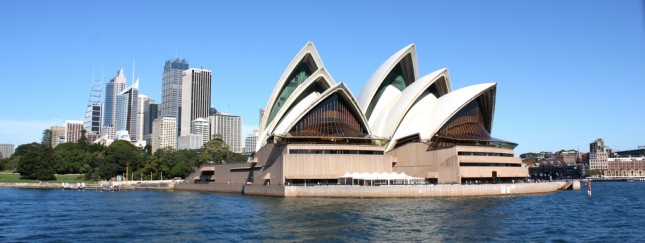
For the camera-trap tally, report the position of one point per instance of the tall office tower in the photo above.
(201, 127)
(173, 73)
(598, 155)
(164, 133)
(143, 103)
(149, 115)
(92, 123)
(229, 127)
(195, 97)
(6, 150)
(126, 111)
(112, 89)
(58, 135)
(73, 131)
(251, 141)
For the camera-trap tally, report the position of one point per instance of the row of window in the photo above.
(333, 151)
(484, 154)
(491, 164)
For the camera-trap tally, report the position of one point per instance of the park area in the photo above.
(9, 177)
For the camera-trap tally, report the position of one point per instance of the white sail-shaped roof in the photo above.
(394, 104)
(371, 88)
(321, 78)
(429, 114)
(387, 119)
(290, 121)
(309, 55)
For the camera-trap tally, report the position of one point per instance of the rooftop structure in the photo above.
(314, 131)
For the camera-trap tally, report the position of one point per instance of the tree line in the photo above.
(39, 161)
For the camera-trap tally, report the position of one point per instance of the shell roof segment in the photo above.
(403, 63)
(306, 62)
(343, 94)
(430, 114)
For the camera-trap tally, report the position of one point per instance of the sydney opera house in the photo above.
(401, 129)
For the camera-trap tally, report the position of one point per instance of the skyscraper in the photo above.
(112, 89)
(93, 117)
(127, 110)
(171, 87)
(164, 133)
(149, 115)
(143, 103)
(196, 97)
(229, 127)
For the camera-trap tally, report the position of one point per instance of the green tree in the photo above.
(3, 163)
(185, 162)
(70, 158)
(147, 149)
(34, 161)
(47, 138)
(215, 150)
(82, 142)
(113, 160)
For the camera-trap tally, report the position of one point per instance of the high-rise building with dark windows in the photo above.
(150, 114)
(171, 88)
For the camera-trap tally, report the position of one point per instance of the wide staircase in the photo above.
(567, 186)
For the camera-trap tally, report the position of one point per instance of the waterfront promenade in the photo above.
(391, 191)
(154, 184)
(333, 191)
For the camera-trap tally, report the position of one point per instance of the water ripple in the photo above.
(614, 212)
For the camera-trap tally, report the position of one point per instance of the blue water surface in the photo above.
(614, 213)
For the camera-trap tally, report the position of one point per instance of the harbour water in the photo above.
(614, 213)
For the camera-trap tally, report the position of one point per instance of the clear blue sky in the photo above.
(568, 72)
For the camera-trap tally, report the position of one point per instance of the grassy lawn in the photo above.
(8, 177)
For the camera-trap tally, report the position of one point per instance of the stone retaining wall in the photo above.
(275, 191)
(237, 189)
(422, 190)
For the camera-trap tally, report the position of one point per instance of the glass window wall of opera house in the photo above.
(402, 129)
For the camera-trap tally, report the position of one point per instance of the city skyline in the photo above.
(567, 73)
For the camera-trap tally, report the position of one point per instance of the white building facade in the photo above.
(190, 141)
(201, 127)
(599, 155)
(229, 127)
(250, 142)
(6, 150)
(164, 133)
(195, 98)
